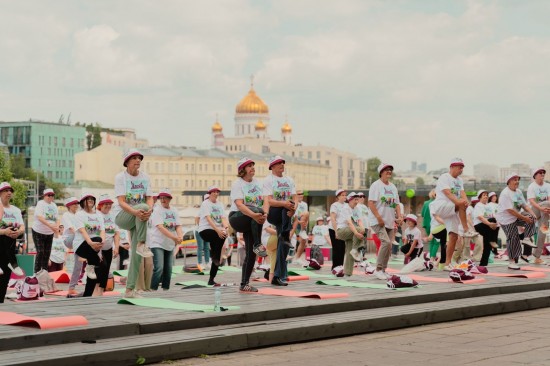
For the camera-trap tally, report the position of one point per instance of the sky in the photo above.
(400, 80)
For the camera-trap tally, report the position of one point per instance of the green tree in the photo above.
(20, 171)
(19, 190)
(419, 181)
(372, 170)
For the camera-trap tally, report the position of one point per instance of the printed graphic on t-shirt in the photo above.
(410, 238)
(542, 195)
(518, 200)
(216, 214)
(109, 226)
(282, 191)
(136, 191)
(356, 215)
(253, 195)
(50, 214)
(456, 188)
(9, 220)
(92, 226)
(387, 197)
(169, 221)
(488, 212)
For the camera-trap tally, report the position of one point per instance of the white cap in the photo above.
(213, 189)
(104, 198)
(351, 195)
(510, 176)
(383, 166)
(275, 160)
(70, 201)
(457, 162)
(320, 218)
(129, 154)
(165, 192)
(338, 192)
(492, 194)
(86, 195)
(48, 191)
(411, 217)
(243, 162)
(537, 170)
(480, 192)
(4, 186)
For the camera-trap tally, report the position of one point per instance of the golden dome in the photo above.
(217, 127)
(252, 103)
(260, 125)
(286, 128)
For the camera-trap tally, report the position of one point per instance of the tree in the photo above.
(19, 190)
(419, 181)
(372, 170)
(20, 171)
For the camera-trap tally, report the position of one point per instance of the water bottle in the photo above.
(217, 299)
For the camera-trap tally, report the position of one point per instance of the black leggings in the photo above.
(442, 236)
(216, 245)
(7, 250)
(252, 232)
(338, 249)
(92, 258)
(489, 235)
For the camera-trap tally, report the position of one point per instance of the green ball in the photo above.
(410, 193)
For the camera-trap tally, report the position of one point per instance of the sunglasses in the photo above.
(300, 194)
(50, 195)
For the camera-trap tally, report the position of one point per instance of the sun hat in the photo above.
(275, 160)
(492, 194)
(411, 217)
(165, 193)
(213, 189)
(383, 166)
(130, 153)
(104, 198)
(241, 164)
(48, 191)
(339, 191)
(480, 192)
(71, 201)
(4, 186)
(510, 176)
(537, 170)
(86, 195)
(457, 162)
(351, 195)
(320, 218)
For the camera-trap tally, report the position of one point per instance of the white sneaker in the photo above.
(513, 266)
(355, 254)
(144, 251)
(448, 267)
(90, 272)
(132, 294)
(381, 275)
(16, 270)
(528, 242)
(470, 234)
(303, 235)
(395, 243)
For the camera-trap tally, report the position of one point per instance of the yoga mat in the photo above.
(345, 283)
(229, 269)
(536, 269)
(39, 299)
(197, 284)
(169, 304)
(291, 293)
(9, 318)
(305, 272)
(289, 279)
(443, 280)
(65, 293)
(60, 277)
(121, 272)
(516, 275)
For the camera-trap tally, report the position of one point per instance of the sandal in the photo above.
(260, 250)
(248, 288)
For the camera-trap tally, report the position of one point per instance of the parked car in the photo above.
(189, 243)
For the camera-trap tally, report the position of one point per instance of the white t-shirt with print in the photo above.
(386, 198)
(68, 220)
(214, 210)
(343, 216)
(509, 199)
(49, 212)
(483, 210)
(414, 234)
(134, 189)
(446, 181)
(364, 214)
(539, 192)
(250, 192)
(59, 249)
(12, 218)
(91, 222)
(280, 188)
(319, 232)
(168, 218)
(337, 208)
(110, 230)
(494, 207)
(302, 207)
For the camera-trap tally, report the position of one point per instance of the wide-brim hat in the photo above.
(103, 199)
(320, 218)
(48, 191)
(339, 191)
(383, 166)
(86, 195)
(491, 194)
(457, 162)
(71, 201)
(165, 193)
(510, 176)
(130, 153)
(4, 186)
(275, 160)
(241, 164)
(213, 189)
(537, 171)
(412, 217)
(351, 195)
(480, 192)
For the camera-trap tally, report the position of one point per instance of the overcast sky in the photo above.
(402, 80)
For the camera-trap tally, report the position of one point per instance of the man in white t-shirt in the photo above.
(450, 205)
(538, 194)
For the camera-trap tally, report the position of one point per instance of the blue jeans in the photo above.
(202, 248)
(162, 268)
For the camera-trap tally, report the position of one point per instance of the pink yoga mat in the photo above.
(291, 293)
(443, 280)
(65, 293)
(535, 269)
(517, 275)
(60, 277)
(9, 318)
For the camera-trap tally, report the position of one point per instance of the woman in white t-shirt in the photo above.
(135, 206)
(513, 220)
(112, 232)
(486, 225)
(247, 216)
(59, 252)
(338, 246)
(384, 213)
(46, 217)
(69, 229)
(413, 237)
(321, 237)
(213, 227)
(538, 195)
(165, 235)
(88, 241)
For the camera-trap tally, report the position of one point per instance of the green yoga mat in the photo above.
(345, 283)
(169, 304)
(194, 283)
(305, 272)
(121, 272)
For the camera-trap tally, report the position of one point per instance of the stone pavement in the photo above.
(521, 338)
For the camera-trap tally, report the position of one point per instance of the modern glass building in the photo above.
(48, 148)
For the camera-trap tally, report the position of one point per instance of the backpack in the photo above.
(45, 281)
(28, 289)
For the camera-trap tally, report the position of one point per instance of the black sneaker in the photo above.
(248, 288)
(266, 275)
(260, 250)
(278, 282)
